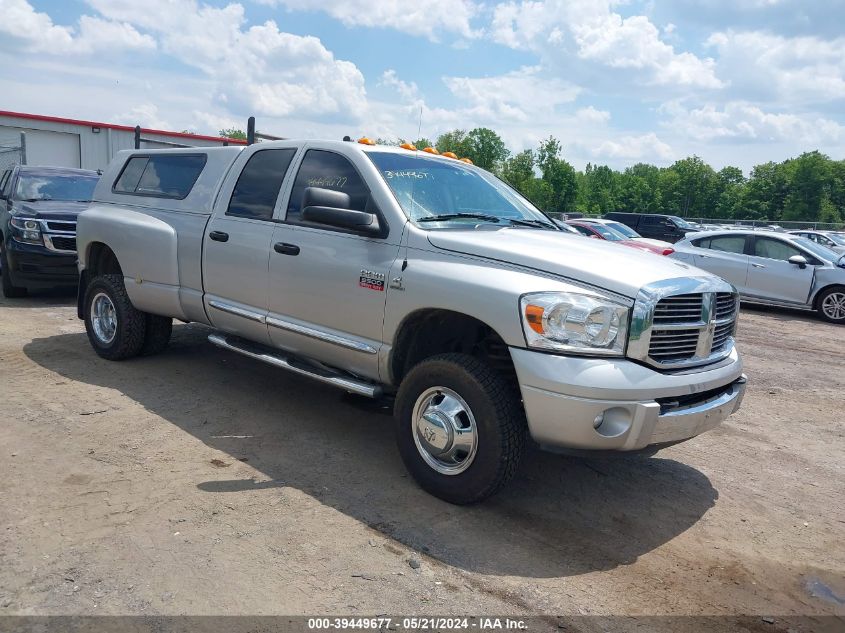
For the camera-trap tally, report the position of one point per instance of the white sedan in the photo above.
(772, 268)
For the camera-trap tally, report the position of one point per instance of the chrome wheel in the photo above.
(833, 305)
(103, 318)
(445, 431)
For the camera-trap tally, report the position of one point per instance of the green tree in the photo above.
(233, 133)
(809, 185)
(454, 141)
(485, 148)
(518, 170)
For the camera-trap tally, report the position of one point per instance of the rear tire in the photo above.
(831, 305)
(157, 334)
(115, 327)
(465, 404)
(10, 291)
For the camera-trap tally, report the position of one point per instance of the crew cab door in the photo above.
(237, 243)
(770, 274)
(328, 285)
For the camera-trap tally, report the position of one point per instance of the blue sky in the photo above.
(736, 82)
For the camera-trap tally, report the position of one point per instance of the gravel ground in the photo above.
(200, 482)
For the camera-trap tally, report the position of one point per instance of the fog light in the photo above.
(613, 422)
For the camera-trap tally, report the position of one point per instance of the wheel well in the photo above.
(427, 333)
(817, 298)
(102, 260)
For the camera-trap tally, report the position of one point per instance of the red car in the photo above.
(602, 232)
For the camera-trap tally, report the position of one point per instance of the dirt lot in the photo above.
(199, 482)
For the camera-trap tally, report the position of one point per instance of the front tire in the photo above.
(460, 428)
(115, 327)
(831, 305)
(10, 291)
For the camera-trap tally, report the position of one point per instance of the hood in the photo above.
(614, 267)
(53, 209)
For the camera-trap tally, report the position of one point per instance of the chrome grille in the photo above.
(678, 309)
(685, 329)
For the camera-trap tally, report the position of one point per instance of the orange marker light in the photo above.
(366, 141)
(409, 146)
(431, 150)
(449, 154)
(466, 160)
(534, 316)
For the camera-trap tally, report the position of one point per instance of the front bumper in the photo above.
(619, 405)
(35, 266)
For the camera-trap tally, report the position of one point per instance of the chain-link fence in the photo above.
(13, 153)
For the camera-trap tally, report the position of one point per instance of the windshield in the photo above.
(817, 249)
(67, 187)
(607, 233)
(627, 231)
(680, 222)
(430, 187)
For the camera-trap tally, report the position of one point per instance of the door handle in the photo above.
(759, 265)
(219, 236)
(286, 249)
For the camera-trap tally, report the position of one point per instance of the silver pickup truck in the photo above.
(396, 273)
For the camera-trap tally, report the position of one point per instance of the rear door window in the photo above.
(259, 183)
(160, 175)
(727, 244)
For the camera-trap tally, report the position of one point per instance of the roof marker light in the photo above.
(366, 141)
(409, 146)
(431, 150)
(466, 160)
(449, 154)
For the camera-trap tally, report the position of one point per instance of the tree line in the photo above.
(809, 188)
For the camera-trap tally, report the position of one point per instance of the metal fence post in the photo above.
(23, 148)
(250, 130)
(137, 137)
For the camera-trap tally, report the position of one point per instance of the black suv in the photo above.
(669, 228)
(38, 210)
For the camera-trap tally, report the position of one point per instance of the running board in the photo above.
(257, 352)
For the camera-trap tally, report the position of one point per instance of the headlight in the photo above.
(572, 322)
(26, 230)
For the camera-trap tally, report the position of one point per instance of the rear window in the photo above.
(160, 175)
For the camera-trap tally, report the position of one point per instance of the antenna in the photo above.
(416, 155)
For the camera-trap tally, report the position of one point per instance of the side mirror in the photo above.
(317, 197)
(798, 260)
(343, 218)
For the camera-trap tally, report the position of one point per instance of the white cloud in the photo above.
(598, 34)
(593, 116)
(520, 95)
(772, 67)
(646, 147)
(259, 69)
(21, 22)
(146, 115)
(407, 90)
(744, 122)
(420, 17)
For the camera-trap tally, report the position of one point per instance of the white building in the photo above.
(55, 141)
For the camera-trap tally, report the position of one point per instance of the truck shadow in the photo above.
(561, 517)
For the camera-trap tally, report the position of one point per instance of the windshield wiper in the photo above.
(528, 222)
(35, 199)
(456, 216)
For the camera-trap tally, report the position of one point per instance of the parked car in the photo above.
(604, 232)
(772, 268)
(388, 272)
(38, 210)
(669, 228)
(627, 231)
(833, 241)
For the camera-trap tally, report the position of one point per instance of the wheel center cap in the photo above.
(434, 432)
